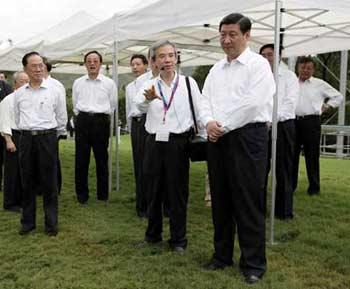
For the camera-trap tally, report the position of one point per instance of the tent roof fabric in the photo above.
(193, 26)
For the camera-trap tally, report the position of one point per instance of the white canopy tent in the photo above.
(10, 58)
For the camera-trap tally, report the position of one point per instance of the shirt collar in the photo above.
(242, 58)
(309, 80)
(159, 79)
(99, 77)
(43, 84)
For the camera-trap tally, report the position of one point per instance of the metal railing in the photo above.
(335, 141)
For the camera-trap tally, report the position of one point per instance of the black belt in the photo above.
(16, 131)
(308, 116)
(255, 124)
(138, 118)
(38, 132)
(186, 134)
(98, 114)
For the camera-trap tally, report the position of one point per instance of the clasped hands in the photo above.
(214, 130)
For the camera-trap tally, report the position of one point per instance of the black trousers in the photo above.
(284, 168)
(40, 152)
(308, 134)
(237, 171)
(138, 138)
(166, 168)
(2, 153)
(12, 181)
(92, 132)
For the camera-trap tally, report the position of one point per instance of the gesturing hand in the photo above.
(151, 94)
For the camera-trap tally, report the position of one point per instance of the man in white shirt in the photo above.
(40, 115)
(12, 181)
(288, 94)
(311, 104)
(236, 105)
(94, 100)
(5, 89)
(136, 126)
(166, 162)
(55, 82)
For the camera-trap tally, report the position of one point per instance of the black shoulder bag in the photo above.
(198, 144)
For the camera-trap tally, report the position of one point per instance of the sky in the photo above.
(21, 19)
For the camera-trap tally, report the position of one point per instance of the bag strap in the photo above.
(191, 104)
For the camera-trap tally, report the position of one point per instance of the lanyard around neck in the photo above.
(166, 105)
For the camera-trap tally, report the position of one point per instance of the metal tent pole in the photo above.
(278, 19)
(342, 88)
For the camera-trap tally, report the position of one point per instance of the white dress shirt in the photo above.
(7, 116)
(313, 92)
(131, 90)
(179, 117)
(94, 95)
(57, 83)
(41, 108)
(288, 94)
(238, 92)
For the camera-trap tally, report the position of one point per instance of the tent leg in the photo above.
(341, 114)
(278, 20)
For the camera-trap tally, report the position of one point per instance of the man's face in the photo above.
(2, 77)
(93, 63)
(21, 80)
(138, 67)
(268, 54)
(306, 70)
(166, 58)
(35, 68)
(232, 40)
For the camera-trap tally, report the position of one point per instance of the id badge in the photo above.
(162, 136)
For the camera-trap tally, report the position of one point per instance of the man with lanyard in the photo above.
(288, 94)
(94, 99)
(5, 89)
(136, 126)
(316, 96)
(236, 105)
(12, 181)
(40, 114)
(166, 163)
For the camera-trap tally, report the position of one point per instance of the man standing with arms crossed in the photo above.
(236, 105)
(94, 99)
(41, 114)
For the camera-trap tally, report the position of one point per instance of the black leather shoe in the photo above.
(25, 231)
(178, 249)
(251, 279)
(16, 209)
(214, 265)
(51, 232)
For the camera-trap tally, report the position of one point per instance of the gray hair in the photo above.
(158, 44)
(16, 74)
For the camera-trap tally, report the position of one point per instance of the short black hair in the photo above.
(244, 23)
(91, 52)
(47, 64)
(270, 45)
(140, 56)
(27, 55)
(306, 59)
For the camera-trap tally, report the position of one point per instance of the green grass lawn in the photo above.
(96, 247)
